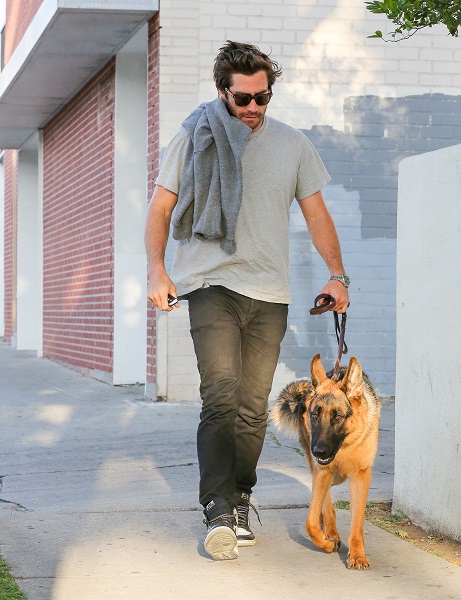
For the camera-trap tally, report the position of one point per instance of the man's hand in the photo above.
(339, 293)
(158, 288)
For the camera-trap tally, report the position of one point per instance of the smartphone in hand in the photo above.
(172, 300)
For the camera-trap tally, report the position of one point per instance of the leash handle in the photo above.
(323, 303)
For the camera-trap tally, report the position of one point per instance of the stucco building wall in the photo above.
(428, 421)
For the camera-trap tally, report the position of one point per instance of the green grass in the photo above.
(9, 589)
(342, 505)
(277, 441)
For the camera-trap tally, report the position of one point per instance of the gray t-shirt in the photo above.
(279, 164)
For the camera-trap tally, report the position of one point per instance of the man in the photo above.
(232, 172)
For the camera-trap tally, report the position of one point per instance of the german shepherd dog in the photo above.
(337, 423)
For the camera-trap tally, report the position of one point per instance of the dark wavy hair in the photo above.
(236, 57)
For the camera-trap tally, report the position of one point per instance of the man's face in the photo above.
(252, 115)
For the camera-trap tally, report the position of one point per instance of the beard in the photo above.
(252, 119)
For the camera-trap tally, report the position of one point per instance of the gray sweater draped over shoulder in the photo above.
(210, 192)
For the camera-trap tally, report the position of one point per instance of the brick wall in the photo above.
(9, 161)
(180, 59)
(19, 14)
(78, 220)
(366, 104)
(153, 158)
(378, 133)
(321, 45)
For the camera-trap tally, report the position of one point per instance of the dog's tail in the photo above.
(290, 405)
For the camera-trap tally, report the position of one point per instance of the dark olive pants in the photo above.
(237, 343)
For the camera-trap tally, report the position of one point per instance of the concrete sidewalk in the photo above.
(99, 502)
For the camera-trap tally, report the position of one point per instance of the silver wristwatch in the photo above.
(344, 279)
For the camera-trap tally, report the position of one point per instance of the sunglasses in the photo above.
(241, 99)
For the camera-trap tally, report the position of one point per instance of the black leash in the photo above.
(325, 302)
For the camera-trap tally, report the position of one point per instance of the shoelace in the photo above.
(243, 511)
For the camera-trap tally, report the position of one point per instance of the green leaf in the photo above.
(410, 16)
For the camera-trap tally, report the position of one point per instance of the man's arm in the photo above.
(324, 237)
(156, 237)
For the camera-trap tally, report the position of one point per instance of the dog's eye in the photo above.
(338, 418)
(314, 417)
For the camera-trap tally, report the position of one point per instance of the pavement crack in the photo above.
(180, 509)
(115, 469)
(15, 505)
(276, 441)
(190, 464)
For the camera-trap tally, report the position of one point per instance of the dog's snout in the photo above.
(320, 450)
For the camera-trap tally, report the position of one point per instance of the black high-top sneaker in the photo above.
(245, 537)
(221, 522)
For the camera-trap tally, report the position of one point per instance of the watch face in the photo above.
(347, 281)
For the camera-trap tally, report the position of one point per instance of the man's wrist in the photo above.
(343, 278)
(156, 270)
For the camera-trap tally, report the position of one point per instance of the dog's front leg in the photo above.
(358, 486)
(329, 520)
(321, 482)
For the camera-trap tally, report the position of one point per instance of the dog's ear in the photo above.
(351, 384)
(318, 374)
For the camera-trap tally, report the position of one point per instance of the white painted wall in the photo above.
(2, 245)
(428, 418)
(326, 57)
(130, 186)
(29, 258)
(321, 45)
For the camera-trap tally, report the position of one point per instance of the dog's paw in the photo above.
(337, 543)
(330, 545)
(358, 562)
(321, 539)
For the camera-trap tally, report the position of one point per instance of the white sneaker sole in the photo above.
(241, 541)
(221, 543)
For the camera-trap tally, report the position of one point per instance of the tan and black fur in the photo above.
(337, 423)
